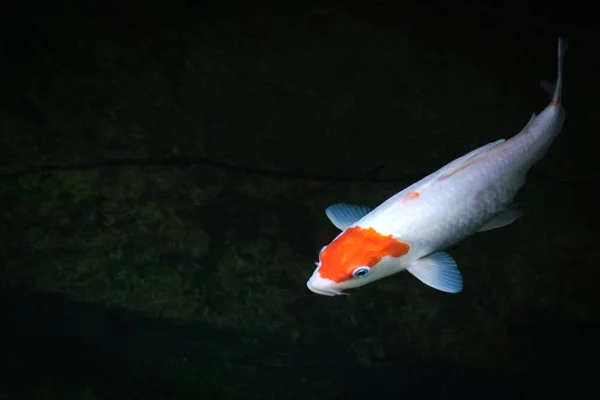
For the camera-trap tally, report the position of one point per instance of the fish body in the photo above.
(410, 230)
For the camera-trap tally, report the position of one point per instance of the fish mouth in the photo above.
(325, 292)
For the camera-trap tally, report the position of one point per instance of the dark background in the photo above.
(164, 167)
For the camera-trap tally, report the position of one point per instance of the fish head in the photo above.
(358, 256)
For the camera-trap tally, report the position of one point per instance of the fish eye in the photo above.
(360, 271)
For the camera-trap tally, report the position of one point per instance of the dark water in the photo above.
(164, 171)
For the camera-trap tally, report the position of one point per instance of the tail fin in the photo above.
(556, 90)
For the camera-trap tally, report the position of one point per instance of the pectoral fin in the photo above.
(439, 271)
(343, 215)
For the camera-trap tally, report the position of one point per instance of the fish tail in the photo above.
(562, 48)
(556, 90)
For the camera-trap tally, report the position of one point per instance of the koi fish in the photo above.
(411, 229)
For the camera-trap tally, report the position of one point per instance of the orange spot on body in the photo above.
(411, 196)
(357, 247)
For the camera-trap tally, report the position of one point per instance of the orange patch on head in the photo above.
(411, 196)
(357, 247)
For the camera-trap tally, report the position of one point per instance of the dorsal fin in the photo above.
(447, 170)
(466, 160)
(528, 123)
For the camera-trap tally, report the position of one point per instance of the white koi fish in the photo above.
(410, 230)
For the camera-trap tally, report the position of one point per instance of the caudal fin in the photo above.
(556, 90)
